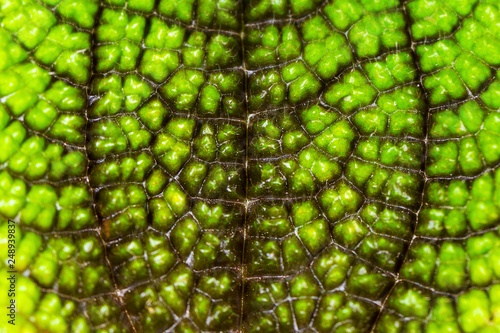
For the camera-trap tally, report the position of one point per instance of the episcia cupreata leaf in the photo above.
(250, 166)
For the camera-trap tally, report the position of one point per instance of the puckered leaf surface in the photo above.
(251, 165)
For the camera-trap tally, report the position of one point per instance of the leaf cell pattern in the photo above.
(252, 165)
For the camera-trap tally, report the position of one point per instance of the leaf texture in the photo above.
(252, 165)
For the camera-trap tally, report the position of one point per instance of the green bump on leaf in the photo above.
(184, 236)
(82, 12)
(432, 18)
(182, 10)
(410, 301)
(222, 51)
(340, 201)
(444, 86)
(30, 22)
(315, 236)
(153, 115)
(158, 65)
(337, 139)
(182, 89)
(352, 92)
